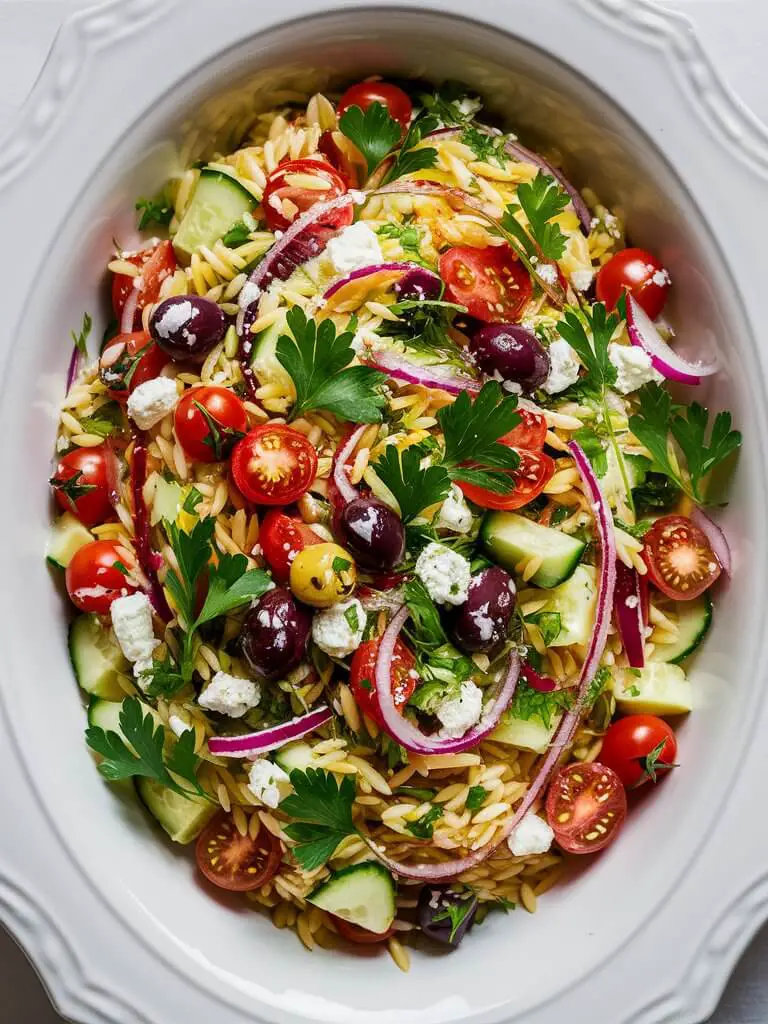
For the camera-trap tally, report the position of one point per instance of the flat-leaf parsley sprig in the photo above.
(322, 808)
(540, 201)
(376, 134)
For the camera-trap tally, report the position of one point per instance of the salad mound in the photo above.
(385, 537)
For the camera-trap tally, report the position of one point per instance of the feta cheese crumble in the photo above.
(633, 367)
(151, 401)
(365, 341)
(532, 835)
(177, 725)
(547, 272)
(230, 695)
(661, 277)
(354, 247)
(632, 601)
(454, 512)
(339, 630)
(581, 279)
(132, 623)
(563, 367)
(264, 780)
(445, 574)
(458, 714)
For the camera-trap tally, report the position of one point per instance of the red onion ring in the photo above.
(716, 538)
(128, 316)
(643, 333)
(439, 376)
(343, 452)
(541, 683)
(628, 609)
(148, 559)
(74, 366)
(362, 272)
(260, 742)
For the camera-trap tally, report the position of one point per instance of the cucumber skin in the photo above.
(696, 641)
(369, 867)
(200, 814)
(109, 692)
(543, 578)
(182, 242)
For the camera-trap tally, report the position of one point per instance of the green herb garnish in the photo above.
(476, 798)
(154, 211)
(322, 808)
(540, 201)
(424, 827)
(549, 623)
(80, 340)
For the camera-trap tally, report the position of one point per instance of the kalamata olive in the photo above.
(483, 620)
(419, 283)
(445, 915)
(513, 352)
(373, 533)
(274, 634)
(187, 327)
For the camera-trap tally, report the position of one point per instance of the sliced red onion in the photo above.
(643, 333)
(254, 743)
(74, 366)
(442, 376)
(345, 290)
(716, 538)
(128, 316)
(343, 452)
(628, 608)
(147, 558)
(541, 683)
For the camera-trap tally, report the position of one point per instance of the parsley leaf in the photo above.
(240, 232)
(373, 131)
(424, 827)
(599, 685)
(413, 488)
(476, 798)
(638, 530)
(107, 420)
(589, 333)
(445, 103)
(456, 909)
(540, 200)
(409, 159)
(425, 621)
(154, 211)
(162, 680)
(80, 340)
(485, 146)
(323, 809)
(317, 358)
(471, 430)
(592, 446)
(71, 488)
(531, 703)
(549, 623)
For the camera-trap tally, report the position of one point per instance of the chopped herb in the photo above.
(154, 211)
(485, 146)
(425, 621)
(237, 235)
(423, 827)
(637, 530)
(476, 798)
(417, 792)
(340, 564)
(121, 567)
(367, 685)
(594, 448)
(599, 685)
(530, 703)
(540, 201)
(409, 159)
(80, 341)
(220, 439)
(472, 429)
(633, 691)
(445, 103)
(431, 695)
(350, 614)
(407, 235)
(549, 623)
(107, 420)
(561, 513)
(164, 678)
(656, 492)
(322, 808)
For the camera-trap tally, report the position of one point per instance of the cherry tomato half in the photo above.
(94, 579)
(530, 478)
(492, 283)
(155, 264)
(639, 273)
(586, 807)
(281, 539)
(209, 421)
(530, 433)
(365, 93)
(680, 560)
(294, 187)
(236, 862)
(362, 678)
(81, 484)
(354, 933)
(273, 465)
(639, 748)
(129, 360)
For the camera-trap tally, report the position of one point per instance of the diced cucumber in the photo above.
(363, 894)
(98, 662)
(182, 818)
(264, 361)
(526, 733)
(574, 602)
(218, 202)
(167, 502)
(693, 621)
(612, 483)
(510, 538)
(294, 756)
(657, 689)
(105, 714)
(68, 535)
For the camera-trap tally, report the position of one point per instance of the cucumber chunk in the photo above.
(98, 662)
(167, 502)
(525, 733)
(181, 817)
(105, 714)
(510, 538)
(657, 689)
(264, 361)
(68, 535)
(693, 621)
(574, 602)
(218, 202)
(363, 894)
(294, 756)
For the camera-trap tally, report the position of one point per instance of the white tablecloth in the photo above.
(728, 29)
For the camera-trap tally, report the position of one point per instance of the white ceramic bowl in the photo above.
(111, 915)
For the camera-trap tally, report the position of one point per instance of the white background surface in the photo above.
(730, 29)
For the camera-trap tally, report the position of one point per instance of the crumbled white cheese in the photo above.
(230, 695)
(459, 714)
(178, 725)
(468, 107)
(151, 401)
(660, 277)
(563, 367)
(581, 279)
(339, 630)
(62, 443)
(249, 294)
(445, 574)
(132, 623)
(454, 512)
(547, 272)
(264, 780)
(532, 835)
(354, 247)
(633, 367)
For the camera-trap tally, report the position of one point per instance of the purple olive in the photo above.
(373, 533)
(483, 620)
(274, 634)
(187, 327)
(512, 352)
(445, 915)
(419, 283)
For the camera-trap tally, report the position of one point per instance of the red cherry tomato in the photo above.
(586, 807)
(81, 484)
(155, 264)
(273, 465)
(236, 862)
(286, 197)
(129, 360)
(281, 539)
(530, 433)
(94, 579)
(639, 748)
(492, 283)
(365, 93)
(354, 933)
(209, 421)
(362, 678)
(639, 273)
(680, 560)
(530, 478)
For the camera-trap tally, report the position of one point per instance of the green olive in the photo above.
(323, 574)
